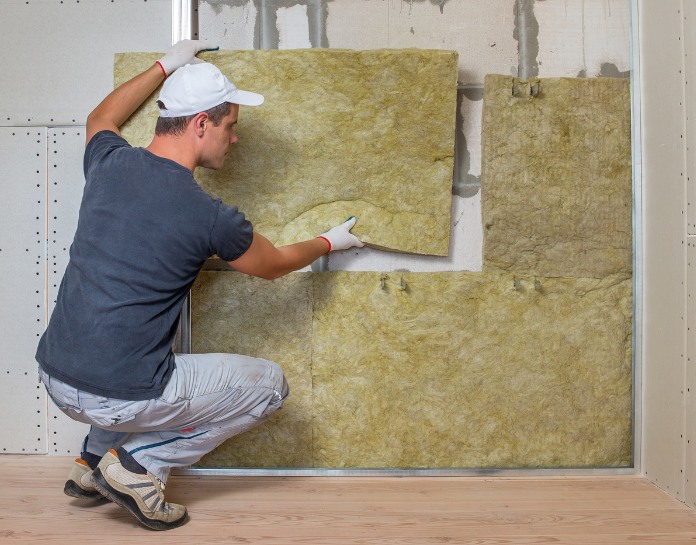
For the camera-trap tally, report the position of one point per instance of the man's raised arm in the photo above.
(122, 102)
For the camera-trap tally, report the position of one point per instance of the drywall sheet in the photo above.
(59, 67)
(663, 110)
(22, 294)
(431, 370)
(341, 133)
(556, 167)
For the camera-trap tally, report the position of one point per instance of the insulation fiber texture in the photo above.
(241, 315)
(430, 370)
(556, 168)
(341, 133)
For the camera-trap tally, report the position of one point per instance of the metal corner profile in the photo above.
(184, 20)
(184, 27)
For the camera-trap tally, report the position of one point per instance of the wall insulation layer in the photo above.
(348, 133)
(526, 367)
(429, 370)
(556, 167)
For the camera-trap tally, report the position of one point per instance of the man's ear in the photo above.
(200, 123)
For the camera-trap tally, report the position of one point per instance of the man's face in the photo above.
(219, 138)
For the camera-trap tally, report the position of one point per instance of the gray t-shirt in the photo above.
(144, 231)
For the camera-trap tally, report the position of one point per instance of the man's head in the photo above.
(176, 126)
(200, 96)
(196, 88)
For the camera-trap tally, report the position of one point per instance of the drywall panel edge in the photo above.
(664, 194)
(690, 406)
(689, 52)
(638, 237)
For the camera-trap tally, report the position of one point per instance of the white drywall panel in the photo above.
(22, 292)
(689, 39)
(229, 26)
(65, 182)
(689, 19)
(690, 412)
(664, 251)
(58, 60)
(583, 38)
(482, 33)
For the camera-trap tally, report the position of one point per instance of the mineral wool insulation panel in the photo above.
(342, 133)
(557, 193)
(22, 296)
(265, 320)
(530, 367)
(429, 370)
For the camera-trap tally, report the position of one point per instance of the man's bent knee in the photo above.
(277, 398)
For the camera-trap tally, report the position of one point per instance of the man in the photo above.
(144, 231)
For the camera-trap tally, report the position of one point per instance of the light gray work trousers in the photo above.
(209, 398)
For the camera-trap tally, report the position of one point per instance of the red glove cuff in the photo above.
(162, 67)
(327, 241)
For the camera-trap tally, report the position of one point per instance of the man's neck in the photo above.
(174, 148)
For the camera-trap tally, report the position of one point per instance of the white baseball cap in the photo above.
(195, 88)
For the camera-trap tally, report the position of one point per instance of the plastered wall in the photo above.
(516, 37)
(545, 39)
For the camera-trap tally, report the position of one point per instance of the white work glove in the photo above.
(182, 53)
(340, 237)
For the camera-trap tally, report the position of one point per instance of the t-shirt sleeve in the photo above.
(100, 145)
(232, 233)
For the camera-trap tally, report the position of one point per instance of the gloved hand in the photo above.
(182, 53)
(340, 237)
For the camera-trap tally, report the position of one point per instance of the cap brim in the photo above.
(245, 98)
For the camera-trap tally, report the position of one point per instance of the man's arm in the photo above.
(122, 102)
(264, 260)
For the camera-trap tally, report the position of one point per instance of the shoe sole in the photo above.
(74, 490)
(131, 505)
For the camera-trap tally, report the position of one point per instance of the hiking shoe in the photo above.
(79, 484)
(142, 495)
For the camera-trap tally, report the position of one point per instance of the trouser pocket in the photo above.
(115, 412)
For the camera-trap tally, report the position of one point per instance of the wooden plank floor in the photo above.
(351, 510)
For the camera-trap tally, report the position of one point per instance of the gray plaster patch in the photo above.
(526, 33)
(317, 13)
(267, 36)
(610, 70)
(438, 3)
(473, 92)
(218, 5)
(464, 185)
